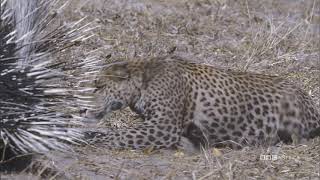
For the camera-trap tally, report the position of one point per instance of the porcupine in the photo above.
(31, 80)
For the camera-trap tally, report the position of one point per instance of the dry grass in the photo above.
(274, 37)
(268, 36)
(282, 162)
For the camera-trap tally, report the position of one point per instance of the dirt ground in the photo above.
(279, 37)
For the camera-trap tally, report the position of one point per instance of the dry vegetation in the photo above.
(268, 36)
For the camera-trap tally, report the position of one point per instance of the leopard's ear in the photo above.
(117, 71)
(151, 69)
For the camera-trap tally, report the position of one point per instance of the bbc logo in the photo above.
(264, 157)
(274, 157)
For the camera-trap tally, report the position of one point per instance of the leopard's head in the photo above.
(118, 85)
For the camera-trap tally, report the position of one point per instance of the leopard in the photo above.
(179, 99)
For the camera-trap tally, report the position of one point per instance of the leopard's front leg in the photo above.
(150, 134)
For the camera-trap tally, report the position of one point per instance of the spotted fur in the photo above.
(209, 106)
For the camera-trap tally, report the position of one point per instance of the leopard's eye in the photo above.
(96, 89)
(96, 82)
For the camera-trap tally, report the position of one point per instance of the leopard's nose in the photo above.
(83, 112)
